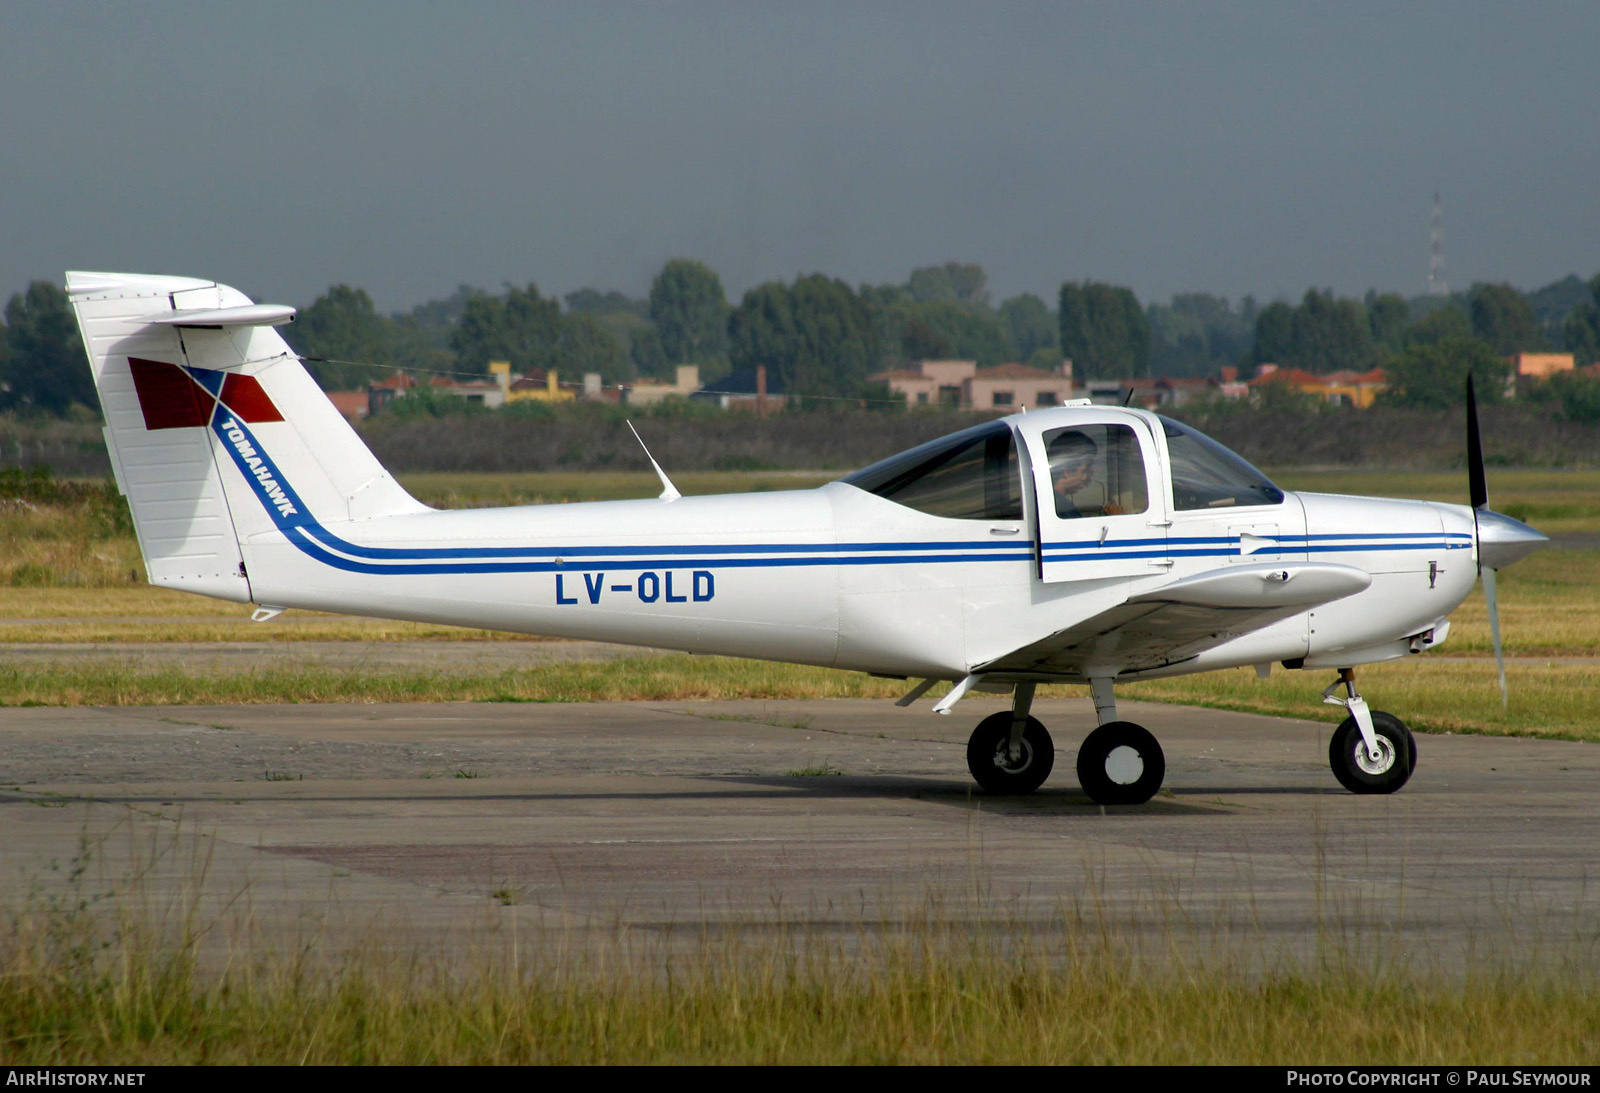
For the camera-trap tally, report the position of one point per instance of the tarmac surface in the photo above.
(443, 827)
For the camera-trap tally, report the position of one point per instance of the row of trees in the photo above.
(819, 335)
(814, 334)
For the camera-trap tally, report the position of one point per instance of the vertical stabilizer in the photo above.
(180, 366)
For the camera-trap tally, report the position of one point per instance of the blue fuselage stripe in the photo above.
(291, 516)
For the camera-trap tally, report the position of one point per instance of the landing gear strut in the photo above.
(1011, 752)
(1371, 751)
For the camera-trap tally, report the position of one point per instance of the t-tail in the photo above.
(190, 373)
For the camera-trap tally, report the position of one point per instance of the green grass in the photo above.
(464, 490)
(110, 971)
(823, 769)
(1554, 700)
(1549, 699)
(78, 988)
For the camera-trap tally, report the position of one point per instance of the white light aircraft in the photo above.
(1079, 544)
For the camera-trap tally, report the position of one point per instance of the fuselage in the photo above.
(843, 577)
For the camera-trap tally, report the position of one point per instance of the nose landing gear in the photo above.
(1371, 751)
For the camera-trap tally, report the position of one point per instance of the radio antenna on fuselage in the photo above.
(669, 492)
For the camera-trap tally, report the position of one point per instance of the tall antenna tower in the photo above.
(1436, 281)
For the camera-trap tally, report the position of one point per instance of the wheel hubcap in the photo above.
(1384, 761)
(1002, 757)
(1124, 765)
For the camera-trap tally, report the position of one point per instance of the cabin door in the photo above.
(1099, 500)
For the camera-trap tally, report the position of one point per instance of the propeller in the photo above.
(1501, 540)
(1478, 486)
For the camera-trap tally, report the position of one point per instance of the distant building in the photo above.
(645, 392)
(747, 389)
(1344, 388)
(1162, 392)
(596, 391)
(1232, 386)
(1540, 366)
(539, 386)
(352, 405)
(1102, 392)
(1005, 388)
(485, 393)
(1358, 389)
(381, 393)
(1010, 387)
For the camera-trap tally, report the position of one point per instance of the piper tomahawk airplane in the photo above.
(1082, 544)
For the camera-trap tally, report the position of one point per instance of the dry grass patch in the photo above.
(647, 678)
(145, 613)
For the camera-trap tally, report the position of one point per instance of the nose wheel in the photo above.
(1371, 751)
(1361, 772)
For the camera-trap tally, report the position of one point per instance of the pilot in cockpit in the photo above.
(1072, 458)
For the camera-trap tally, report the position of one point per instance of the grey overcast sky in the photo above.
(408, 146)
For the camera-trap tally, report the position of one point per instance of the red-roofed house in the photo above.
(352, 405)
(382, 392)
(1345, 388)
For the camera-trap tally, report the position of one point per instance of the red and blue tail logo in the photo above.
(174, 397)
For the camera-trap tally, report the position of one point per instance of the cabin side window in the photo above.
(972, 475)
(1096, 470)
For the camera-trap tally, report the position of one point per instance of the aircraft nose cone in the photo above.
(1502, 540)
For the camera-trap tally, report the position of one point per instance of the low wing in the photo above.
(1177, 621)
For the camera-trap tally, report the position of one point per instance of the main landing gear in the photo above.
(1371, 751)
(1120, 763)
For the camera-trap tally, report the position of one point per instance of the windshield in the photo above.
(1205, 475)
(970, 475)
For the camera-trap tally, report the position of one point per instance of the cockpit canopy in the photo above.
(976, 474)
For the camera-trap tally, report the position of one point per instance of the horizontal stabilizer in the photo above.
(217, 317)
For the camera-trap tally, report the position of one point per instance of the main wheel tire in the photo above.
(989, 755)
(1347, 755)
(1120, 763)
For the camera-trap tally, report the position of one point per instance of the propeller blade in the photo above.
(1477, 483)
(1494, 633)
